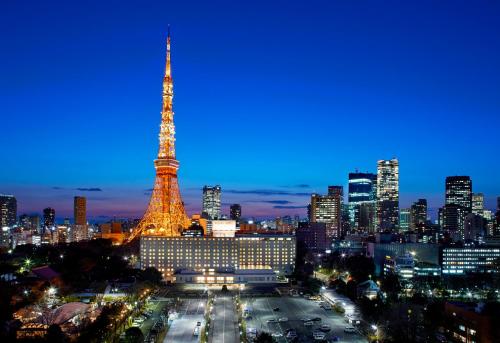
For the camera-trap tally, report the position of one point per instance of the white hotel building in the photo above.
(223, 259)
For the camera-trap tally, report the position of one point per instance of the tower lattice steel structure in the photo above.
(165, 215)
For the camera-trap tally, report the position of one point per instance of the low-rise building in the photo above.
(468, 259)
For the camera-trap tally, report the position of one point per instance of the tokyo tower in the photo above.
(165, 215)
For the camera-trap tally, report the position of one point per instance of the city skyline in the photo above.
(110, 163)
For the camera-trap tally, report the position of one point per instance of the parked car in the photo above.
(325, 328)
(283, 319)
(309, 323)
(349, 329)
(276, 309)
(272, 320)
(318, 335)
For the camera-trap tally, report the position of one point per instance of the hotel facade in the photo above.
(237, 259)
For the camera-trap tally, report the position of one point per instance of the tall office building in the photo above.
(80, 210)
(235, 213)
(405, 219)
(24, 221)
(459, 192)
(49, 217)
(328, 209)
(211, 202)
(8, 210)
(35, 222)
(418, 213)
(388, 194)
(452, 221)
(80, 229)
(362, 189)
(478, 204)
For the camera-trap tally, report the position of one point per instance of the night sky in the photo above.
(272, 101)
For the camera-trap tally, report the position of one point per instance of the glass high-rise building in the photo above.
(404, 219)
(49, 217)
(211, 202)
(8, 210)
(478, 204)
(362, 189)
(388, 194)
(235, 213)
(328, 209)
(418, 213)
(459, 192)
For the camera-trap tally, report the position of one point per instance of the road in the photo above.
(224, 322)
(182, 328)
(295, 309)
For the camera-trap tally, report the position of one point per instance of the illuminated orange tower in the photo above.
(165, 215)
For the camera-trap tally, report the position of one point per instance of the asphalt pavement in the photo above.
(182, 329)
(224, 321)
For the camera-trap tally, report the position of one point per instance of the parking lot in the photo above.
(292, 312)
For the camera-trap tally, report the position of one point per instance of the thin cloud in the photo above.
(266, 192)
(277, 202)
(91, 189)
(300, 185)
(288, 207)
(57, 188)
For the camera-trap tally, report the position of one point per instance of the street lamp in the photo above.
(51, 291)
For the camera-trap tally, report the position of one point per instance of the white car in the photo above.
(277, 335)
(196, 331)
(272, 320)
(291, 334)
(309, 323)
(318, 335)
(325, 327)
(283, 319)
(349, 329)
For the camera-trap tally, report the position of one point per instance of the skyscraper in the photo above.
(459, 192)
(478, 204)
(418, 213)
(362, 189)
(405, 219)
(211, 202)
(8, 210)
(453, 217)
(80, 229)
(388, 194)
(327, 209)
(235, 213)
(80, 210)
(49, 217)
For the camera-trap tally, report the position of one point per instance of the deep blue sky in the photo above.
(272, 98)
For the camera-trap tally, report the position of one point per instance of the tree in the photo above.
(360, 267)
(152, 275)
(55, 334)
(134, 335)
(264, 337)
(391, 286)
